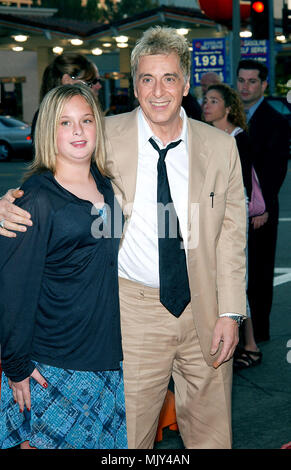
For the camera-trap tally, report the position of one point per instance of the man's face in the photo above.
(160, 87)
(250, 87)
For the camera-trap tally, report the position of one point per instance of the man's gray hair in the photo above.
(161, 40)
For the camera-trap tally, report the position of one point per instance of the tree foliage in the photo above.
(130, 7)
(72, 9)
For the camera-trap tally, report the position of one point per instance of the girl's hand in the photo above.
(21, 390)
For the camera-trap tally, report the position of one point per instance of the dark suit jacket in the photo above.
(192, 107)
(243, 145)
(269, 139)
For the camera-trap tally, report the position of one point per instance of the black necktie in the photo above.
(174, 283)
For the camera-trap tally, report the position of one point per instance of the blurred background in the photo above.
(33, 32)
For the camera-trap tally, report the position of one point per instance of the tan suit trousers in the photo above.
(157, 345)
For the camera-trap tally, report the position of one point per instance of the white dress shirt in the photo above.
(138, 258)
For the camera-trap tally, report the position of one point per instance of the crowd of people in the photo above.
(129, 257)
(262, 138)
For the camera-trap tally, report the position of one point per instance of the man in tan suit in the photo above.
(195, 343)
(206, 186)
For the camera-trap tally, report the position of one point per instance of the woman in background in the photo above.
(67, 69)
(223, 109)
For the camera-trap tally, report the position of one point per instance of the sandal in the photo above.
(244, 359)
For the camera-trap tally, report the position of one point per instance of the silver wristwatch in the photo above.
(238, 318)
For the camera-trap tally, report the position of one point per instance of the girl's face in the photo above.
(76, 131)
(214, 107)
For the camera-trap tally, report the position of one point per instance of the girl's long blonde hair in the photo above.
(46, 128)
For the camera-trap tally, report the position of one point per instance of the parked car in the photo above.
(280, 104)
(15, 139)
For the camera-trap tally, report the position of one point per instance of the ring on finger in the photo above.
(2, 222)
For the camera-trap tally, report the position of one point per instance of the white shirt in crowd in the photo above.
(138, 256)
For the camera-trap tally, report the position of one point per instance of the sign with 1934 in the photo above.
(209, 55)
(213, 55)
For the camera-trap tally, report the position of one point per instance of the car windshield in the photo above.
(11, 122)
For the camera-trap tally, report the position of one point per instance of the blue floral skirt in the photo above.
(78, 410)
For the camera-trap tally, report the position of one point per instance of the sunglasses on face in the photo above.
(89, 84)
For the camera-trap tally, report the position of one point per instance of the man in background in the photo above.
(269, 140)
(207, 79)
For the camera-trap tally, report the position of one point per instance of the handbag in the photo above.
(257, 204)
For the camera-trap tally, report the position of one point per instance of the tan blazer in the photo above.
(216, 225)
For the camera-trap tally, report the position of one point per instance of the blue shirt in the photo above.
(249, 112)
(59, 301)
